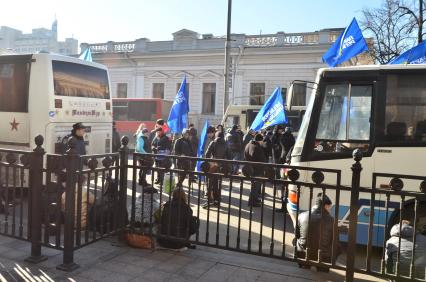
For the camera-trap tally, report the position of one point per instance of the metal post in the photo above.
(227, 57)
(353, 215)
(124, 158)
(35, 186)
(72, 165)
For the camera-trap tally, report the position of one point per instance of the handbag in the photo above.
(139, 240)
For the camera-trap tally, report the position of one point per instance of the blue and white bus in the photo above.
(380, 110)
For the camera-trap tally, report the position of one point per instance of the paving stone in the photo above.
(244, 274)
(197, 268)
(219, 272)
(153, 275)
(271, 277)
(119, 267)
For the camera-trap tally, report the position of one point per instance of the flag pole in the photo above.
(227, 57)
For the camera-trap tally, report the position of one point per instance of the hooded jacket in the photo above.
(217, 149)
(406, 249)
(310, 235)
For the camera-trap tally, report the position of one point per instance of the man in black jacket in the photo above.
(316, 233)
(78, 131)
(161, 145)
(234, 142)
(217, 149)
(287, 141)
(183, 148)
(254, 153)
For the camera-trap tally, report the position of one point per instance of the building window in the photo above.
(209, 98)
(257, 93)
(158, 90)
(299, 94)
(186, 89)
(121, 90)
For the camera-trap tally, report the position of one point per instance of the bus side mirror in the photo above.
(289, 97)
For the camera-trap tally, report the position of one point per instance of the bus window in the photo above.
(142, 111)
(405, 111)
(79, 80)
(120, 111)
(344, 122)
(14, 87)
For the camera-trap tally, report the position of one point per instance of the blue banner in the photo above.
(178, 117)
(416, 55)
(272, 113)
(86, 55)
(201, 144)
(349, 44)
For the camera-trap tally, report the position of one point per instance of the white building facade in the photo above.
(142, 68)
(40, 39)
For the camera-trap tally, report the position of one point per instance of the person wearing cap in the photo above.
(78, 131)
(316, 233)
(143, 147)
(158, 124)
(254, 153)
(183, 148)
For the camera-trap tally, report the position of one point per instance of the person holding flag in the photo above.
(349, 44)
(272, 113)
(178, 117)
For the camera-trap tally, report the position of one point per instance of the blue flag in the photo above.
(272, 113)
(416, 55)
(178, 117)
(201, 144)
(349, 44)
(86, 55)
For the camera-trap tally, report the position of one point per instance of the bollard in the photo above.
(124, 158)
(353, 215)
(72, 165)
(35, 186)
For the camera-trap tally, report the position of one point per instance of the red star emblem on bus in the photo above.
(14, 125)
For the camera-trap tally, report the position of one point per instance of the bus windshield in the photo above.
(77, 80)
(135, 110)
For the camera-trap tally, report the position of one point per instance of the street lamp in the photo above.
(227, 58)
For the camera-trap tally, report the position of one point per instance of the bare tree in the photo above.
(413, 11)
(395, 27)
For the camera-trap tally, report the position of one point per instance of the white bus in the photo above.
(46, 94)
(378, 109)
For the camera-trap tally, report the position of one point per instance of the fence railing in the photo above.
(70, 199)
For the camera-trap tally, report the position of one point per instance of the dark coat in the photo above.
(254, 153)
(217, 149)
(80, 145)
(161, 144)
(277, 147)
(146, 145)
(288, 142)
(310, 234)
(194, 145)
(183, 148)
(116, 142)
(234, 141)
(176, 221)
(267, 146)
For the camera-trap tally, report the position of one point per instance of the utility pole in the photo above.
(227, 58)
(420, 32)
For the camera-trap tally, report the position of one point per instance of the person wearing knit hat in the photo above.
(316, 233)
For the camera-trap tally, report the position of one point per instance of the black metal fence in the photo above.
(72, 201)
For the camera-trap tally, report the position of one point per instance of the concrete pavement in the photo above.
(110, 260)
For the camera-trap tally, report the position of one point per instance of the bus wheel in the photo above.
(408, 214)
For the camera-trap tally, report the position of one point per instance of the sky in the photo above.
(97, 21)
